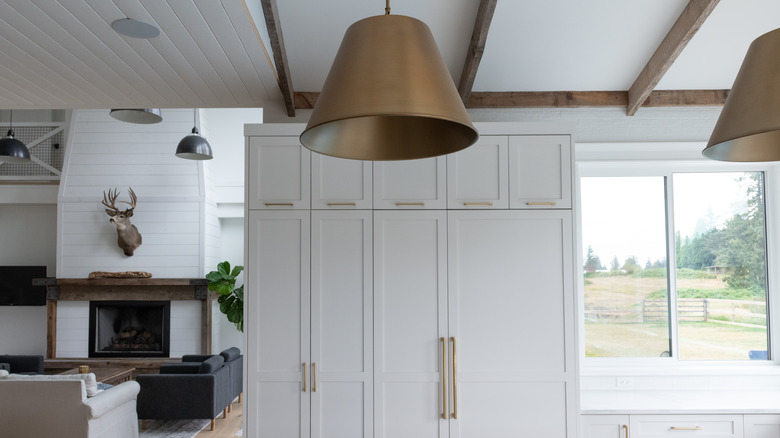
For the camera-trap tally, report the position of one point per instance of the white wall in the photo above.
(591, 125)
(104, 153)
(28, 238)
(225, 334)
(224, 129)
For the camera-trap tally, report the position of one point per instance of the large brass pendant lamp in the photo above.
(749, 125)
(388, 96)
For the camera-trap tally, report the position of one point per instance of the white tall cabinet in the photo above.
(411, 320)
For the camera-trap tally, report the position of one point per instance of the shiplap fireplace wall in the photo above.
(175, 214)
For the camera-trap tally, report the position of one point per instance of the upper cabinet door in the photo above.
(477, 175)
(338, 183)
(279, 173)
(410, 184)
(540, 171)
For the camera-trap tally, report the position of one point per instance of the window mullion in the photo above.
(671, 272)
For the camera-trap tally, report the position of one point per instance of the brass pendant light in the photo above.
(388, 96)
(748, 128)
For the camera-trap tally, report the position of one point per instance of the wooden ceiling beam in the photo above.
(568, 99)
(686, 26)
(272, 23)
(476, 47)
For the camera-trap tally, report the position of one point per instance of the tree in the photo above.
(743, 245)
(615, 264)
(631, 265)
(592, 261)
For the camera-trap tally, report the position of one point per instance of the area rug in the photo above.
(172, 428)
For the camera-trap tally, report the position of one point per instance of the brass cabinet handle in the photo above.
(410, 203)
(279, 204)
(444, 377)
(540, 203)
(341, 204)
(304, 376)
(686, 428)
(478, 203)
(625, 427)
(454, 381)
(314, 377)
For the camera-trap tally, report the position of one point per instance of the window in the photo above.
(712, 224)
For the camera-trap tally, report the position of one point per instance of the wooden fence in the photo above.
(688, 309)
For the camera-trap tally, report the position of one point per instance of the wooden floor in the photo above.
(225, 427)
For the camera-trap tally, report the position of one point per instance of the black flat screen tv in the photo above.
(16, 288)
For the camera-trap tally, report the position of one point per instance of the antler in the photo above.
(111, 200)
(133, 199)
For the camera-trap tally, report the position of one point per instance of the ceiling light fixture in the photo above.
(134, 28)
(388, 96)
(11, 149)
(143, 116)
(748, 128)
(193, 146)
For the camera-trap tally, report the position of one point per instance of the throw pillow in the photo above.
(211, 364)
(90, 383)
(3, 373)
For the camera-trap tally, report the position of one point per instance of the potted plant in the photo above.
(231, 299)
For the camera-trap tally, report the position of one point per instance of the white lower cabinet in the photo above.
(604, 426)
(677, 425)
(470, 332)
(710, 426)
(311, 370)
(762, 426)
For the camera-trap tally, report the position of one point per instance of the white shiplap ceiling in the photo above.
(64, 54)
(61, 54)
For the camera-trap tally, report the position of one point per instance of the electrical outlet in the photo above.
(624, 382)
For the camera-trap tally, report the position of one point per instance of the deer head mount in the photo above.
(129, 237)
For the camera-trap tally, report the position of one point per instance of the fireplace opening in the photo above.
(129, 328)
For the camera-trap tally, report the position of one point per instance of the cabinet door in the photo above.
(279, 173)
(277, 324)
(707, 426)
(410, 184)
(762, 426)
(510, 292)
(341, 332)
(337, 183)
(477, 175)
(410, 299)
(540, 171)
(604, 426)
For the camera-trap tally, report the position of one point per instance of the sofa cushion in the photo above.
(211, 364)
(231, 353)
(90, 383)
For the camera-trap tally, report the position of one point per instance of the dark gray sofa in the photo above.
(185, 392)
(234, 360)
(21, 364)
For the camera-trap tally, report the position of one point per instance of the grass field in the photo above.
(614, 324)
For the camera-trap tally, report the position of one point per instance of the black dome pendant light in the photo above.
(193, 146)
(11, 149)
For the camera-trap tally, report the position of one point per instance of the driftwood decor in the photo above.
(125, 274)
(128, 236)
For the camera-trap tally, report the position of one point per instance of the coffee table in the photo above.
(111, 376)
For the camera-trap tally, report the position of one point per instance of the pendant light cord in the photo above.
(387, 7)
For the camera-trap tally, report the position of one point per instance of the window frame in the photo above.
(665, 159)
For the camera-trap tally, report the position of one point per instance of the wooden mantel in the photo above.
(125, 289)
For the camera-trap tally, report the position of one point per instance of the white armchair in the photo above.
(48, 408)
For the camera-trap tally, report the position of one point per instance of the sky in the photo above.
(625, 216)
